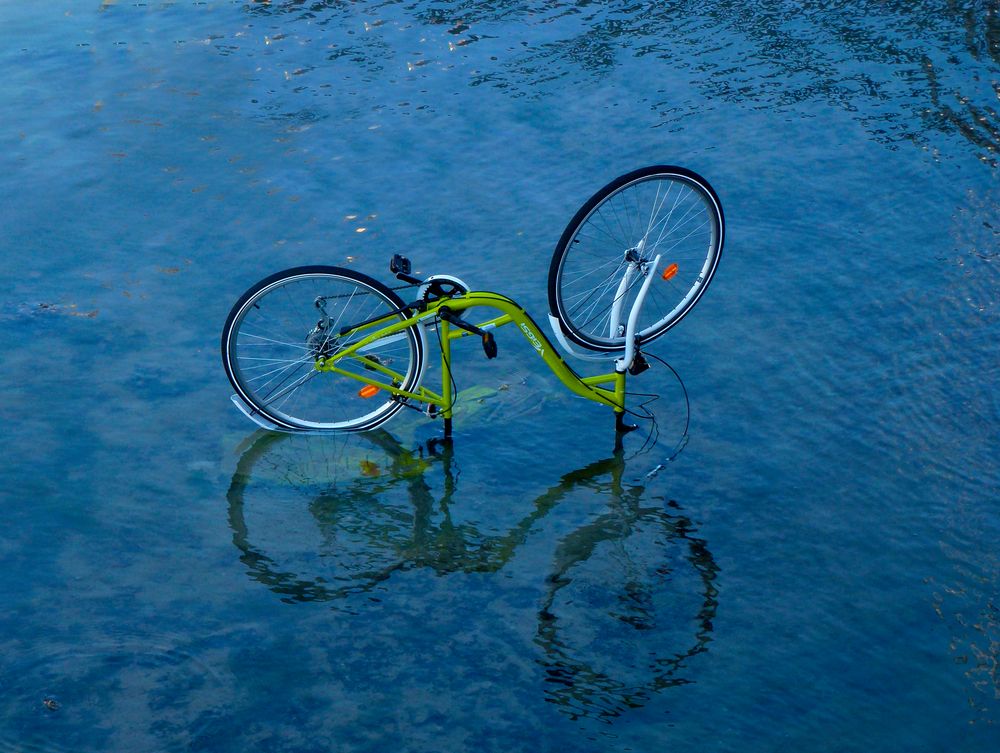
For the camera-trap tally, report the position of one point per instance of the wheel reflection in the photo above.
(629, 598)
(372, 505)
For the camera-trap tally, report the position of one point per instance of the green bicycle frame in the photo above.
(389, 326)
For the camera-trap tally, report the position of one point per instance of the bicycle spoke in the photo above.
(616, 262)
(293, 386)
(276, 342)
(279, 334)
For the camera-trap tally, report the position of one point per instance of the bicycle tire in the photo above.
(274, 330)
(619, 220)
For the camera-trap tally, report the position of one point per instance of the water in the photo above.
(816, 570)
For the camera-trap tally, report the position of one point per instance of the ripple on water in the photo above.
(946, 329)
(948, 414)
(115, 696)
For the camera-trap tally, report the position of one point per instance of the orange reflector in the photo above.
(670, 271)
(368, 390)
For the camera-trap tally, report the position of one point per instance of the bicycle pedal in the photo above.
(399, 264)
(489, 345)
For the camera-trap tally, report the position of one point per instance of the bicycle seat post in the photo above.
(444, 332)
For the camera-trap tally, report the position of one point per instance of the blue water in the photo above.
(818, 568)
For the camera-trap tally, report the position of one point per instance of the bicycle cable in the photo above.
(654, 429)
(653, 434)
(652, 437)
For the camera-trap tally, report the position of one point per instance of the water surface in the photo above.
(816, 570)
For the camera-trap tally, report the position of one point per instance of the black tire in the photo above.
(271, 341)
(620, 220)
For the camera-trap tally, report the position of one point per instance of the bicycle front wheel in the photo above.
(287, 324)
(606, 253)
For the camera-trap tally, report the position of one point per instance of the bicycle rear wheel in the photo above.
(660, 209)
(278, 329)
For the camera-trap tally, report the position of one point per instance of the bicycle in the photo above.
(295, 372)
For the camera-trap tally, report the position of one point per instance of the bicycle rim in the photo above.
(279, 329)
(665, 211)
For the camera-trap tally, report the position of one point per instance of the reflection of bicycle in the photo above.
(629, 598)
(376, 513)
(641, 567)
(369, 500)
(324, 348)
